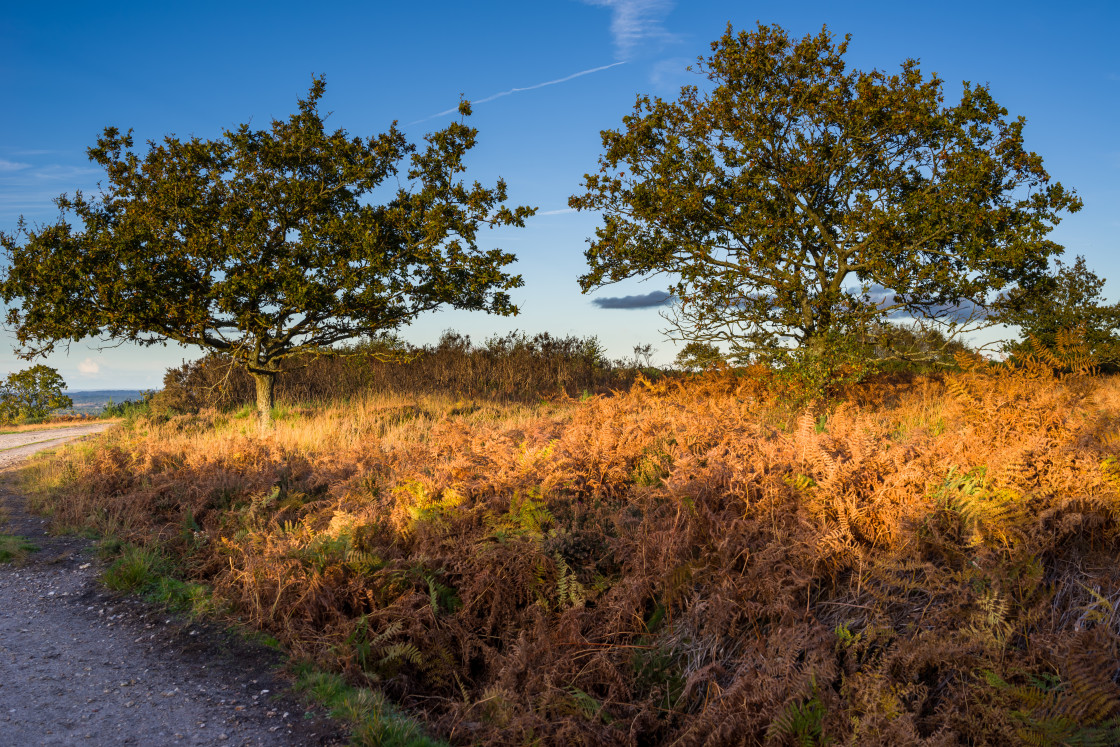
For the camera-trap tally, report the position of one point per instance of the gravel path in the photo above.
(15, 447)
(83, 665)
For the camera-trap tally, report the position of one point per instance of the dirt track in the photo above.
(82, 665)
(15, 447)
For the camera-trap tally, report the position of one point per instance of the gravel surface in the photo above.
(83, 665)
(15, 447)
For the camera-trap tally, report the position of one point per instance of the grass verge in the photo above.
(15, 549)
(374, 721)
(148, 572)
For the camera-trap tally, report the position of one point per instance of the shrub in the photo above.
(513, 368)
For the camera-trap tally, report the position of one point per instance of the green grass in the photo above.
(263, 639)
(149, 572)
(13, 548)
(146, 571)
(136, 570)
(183, 596)
(373, 719)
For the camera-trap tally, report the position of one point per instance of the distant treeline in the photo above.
(99, 398)
(513, 367)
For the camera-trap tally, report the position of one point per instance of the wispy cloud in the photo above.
(521, 89)
(645, 301)
(636, 22)
(672, 73)
(19, 151)
(963, 313)
(15, 198)
(64, 172)
(561, 211)
(29, 189)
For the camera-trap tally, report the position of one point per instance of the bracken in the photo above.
(930, 560)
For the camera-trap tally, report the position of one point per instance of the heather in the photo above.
(714, 559)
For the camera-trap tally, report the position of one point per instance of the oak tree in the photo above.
(792, 201)
(262, 244)
(32, 393)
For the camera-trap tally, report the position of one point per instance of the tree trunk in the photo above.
(265, 386)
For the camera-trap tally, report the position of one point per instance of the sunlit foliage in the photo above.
(262, 244)
(791, 200)
(929, 560)
(32, 393)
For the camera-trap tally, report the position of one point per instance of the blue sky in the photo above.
(546, 77)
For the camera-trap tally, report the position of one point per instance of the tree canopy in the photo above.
(792, 200)
(1069, 299)
(32, 393)
(262, 244)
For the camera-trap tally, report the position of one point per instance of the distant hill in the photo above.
(91, 402)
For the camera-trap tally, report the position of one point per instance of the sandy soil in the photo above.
(83, 665)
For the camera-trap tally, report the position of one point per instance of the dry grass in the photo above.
(56, 421)
(929, 561)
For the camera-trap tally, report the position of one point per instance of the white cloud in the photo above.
(12, 165)
(561, 211)
(635, 22)
(89, 367)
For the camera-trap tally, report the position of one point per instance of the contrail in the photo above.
(491, 97)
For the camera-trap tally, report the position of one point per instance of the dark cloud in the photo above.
(649, 300)
(882, 297)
